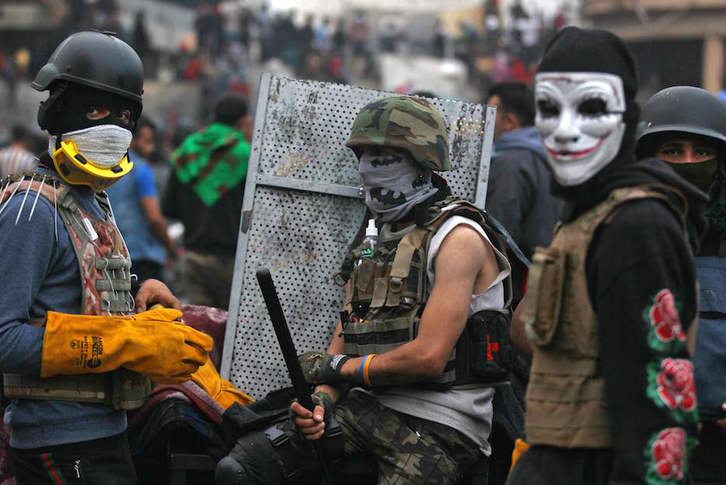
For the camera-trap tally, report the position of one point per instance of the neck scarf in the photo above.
(394, 184)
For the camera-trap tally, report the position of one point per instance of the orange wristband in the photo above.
(366, 366)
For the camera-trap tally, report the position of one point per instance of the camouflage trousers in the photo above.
(407, 450)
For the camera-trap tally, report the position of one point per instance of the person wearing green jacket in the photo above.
(204, 192)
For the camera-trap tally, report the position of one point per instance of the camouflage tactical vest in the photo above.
(104, 266)
(390, 290)
(565, 396)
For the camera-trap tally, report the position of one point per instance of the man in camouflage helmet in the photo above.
(390, 385)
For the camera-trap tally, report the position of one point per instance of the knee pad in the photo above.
(230, 472)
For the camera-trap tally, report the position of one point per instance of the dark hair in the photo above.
(20, 133)
(230, 108)
(145, 121)
(516, 98)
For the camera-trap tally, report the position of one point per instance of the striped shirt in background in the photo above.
(16, 160)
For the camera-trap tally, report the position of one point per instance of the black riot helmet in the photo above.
(97, 60)
(682, 109)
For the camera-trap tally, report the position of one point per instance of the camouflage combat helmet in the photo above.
(409, 123)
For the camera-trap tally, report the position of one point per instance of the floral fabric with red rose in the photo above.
(667, 456)
(665, 331)
(671, 386)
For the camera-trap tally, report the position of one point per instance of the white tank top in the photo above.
(467, 409)
(493, 297)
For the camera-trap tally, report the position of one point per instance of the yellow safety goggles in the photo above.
(76, 169)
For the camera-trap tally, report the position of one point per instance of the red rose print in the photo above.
(675, 384)
(668, 453)
(664, 317)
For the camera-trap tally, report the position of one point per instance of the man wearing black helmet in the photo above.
(75, 356)
(610, 303)
(686, 127)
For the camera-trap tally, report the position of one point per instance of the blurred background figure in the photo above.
(137, 212)
(17, 157)
(518, 194)
(205, 192)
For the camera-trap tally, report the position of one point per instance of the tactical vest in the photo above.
(390, 291)
(565, 397)
(105, 269)
(709, 358)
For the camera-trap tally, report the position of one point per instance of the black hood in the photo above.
(652, 172)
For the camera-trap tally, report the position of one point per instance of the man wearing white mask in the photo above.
(609, 305)
(75, 356)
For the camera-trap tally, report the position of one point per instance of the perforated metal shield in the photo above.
(303, 206)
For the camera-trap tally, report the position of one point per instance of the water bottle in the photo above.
(368, 247)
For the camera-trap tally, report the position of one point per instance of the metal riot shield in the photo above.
(302, 207)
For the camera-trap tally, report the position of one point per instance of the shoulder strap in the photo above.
(404, 253)
(487, 221)
(498, 236)
(619, 197)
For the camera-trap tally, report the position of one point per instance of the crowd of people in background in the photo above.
(228, 38)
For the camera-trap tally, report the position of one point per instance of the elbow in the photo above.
(432, 365)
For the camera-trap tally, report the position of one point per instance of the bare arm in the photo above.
(458, 267)
(158, 224)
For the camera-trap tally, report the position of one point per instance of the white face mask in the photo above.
(580, 120)
(103, 145)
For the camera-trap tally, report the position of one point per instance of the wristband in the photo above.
(364, 367)
(366, 376)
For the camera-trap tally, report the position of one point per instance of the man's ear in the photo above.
(511, 121)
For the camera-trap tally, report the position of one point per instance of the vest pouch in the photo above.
(362, 280)
(543, 299)
(489, 347)
(364, 275)
(382, 330)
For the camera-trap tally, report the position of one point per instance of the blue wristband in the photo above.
(362, 364)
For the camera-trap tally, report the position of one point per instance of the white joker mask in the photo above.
(580, 120)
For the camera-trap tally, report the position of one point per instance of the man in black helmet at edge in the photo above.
(610, 305)
(75, 354)
(685, 126)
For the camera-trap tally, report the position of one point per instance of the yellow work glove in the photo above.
(154, 343)
(221, 390)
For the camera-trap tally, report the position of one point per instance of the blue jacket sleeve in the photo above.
(511, 190)
(26, 253)
(145, 181)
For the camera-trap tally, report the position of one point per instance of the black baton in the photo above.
(301, 387)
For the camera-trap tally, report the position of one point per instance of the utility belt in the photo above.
(122, 389)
